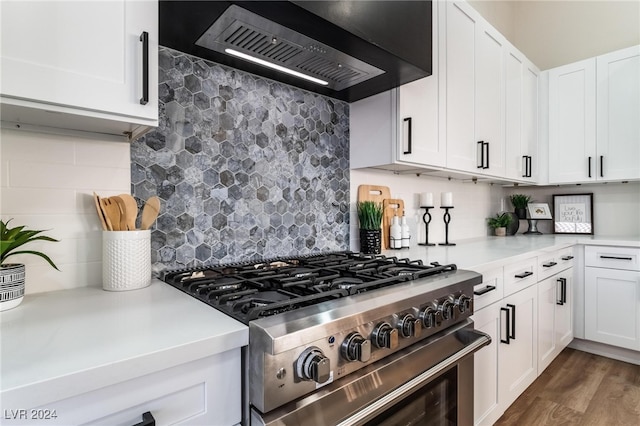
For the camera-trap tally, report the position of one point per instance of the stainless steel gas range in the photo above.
(344, 338)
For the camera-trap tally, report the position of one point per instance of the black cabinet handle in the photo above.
(530, 167)
(564, 290)
(524, 274)
(508, 326)
(589, 162)
(147, 420)
(144, 38)
(487, 165)
(567, 257)
(616, 257)
(601, 166)
(480, 155)
(527, 165)
(560, 299)
(549, 265)
(485, 290)
(408, 121)
(513, 321)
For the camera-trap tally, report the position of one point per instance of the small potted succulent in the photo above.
(499, 223)
(12, 274)
(370, 219)
(520, 202)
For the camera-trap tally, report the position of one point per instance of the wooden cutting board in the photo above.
(389, 208)
(377, 194)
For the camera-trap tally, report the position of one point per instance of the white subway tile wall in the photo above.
(46, 182)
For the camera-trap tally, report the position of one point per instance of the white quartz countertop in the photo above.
(69, 342)
(60, 344)
(482, 253)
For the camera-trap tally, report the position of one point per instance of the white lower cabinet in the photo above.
(555, 321)
(612, 307)
(206, 391)
(612, 296)
(518, 353)
(486, 402)
(505, 368)
(529, 322)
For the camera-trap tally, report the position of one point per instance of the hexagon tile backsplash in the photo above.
(246, 168)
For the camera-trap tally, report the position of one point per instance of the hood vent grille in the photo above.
(254, 35)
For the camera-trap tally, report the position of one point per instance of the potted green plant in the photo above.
(370, 219)
(12, 274)
(520, 202)
(500, 223)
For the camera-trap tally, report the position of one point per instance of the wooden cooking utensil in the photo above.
(103, 222)
(111, 214)
(389, 208)
(378, 194)
(123, 211)
(150, 212)
(131, 208)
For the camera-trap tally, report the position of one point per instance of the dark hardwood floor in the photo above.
(579, 388)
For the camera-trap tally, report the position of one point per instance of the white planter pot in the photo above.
(11, 285)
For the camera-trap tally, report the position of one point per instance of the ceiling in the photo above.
(557, 32)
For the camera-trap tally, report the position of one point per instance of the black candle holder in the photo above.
(447, 219)
(426, 218)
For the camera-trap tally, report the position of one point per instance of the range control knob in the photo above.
(313, 365)
(356, 348)
(385, 336)
(463, 303)
(408, 326)
(446, 309)
(430, 317)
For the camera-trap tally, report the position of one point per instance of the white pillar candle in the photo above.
(446, 199)
(426, 199)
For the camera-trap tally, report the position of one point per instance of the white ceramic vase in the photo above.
(11, 285)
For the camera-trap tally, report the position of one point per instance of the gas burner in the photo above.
(281, 285)
(345, 283)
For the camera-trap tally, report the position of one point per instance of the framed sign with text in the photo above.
(573, 214)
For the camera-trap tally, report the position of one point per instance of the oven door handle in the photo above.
(476, 340)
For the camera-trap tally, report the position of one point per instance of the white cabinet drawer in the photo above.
(520, 275)
(206, 391)
(624, 258)
(490, 290)
(552, 263)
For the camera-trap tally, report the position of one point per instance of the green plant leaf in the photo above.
(13, 238)
(37, 253)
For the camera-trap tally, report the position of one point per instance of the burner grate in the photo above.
(252, 290)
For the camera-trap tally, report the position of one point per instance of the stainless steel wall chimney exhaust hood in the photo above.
(348, 50)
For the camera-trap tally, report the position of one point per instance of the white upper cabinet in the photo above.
(572, 122)
(521, 116)
(618, 115)
(474, 92)
(476, 115)
(398, 129)
(594, 126)
(92, 59)
(418, 109)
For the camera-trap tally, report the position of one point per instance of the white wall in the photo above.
(473, 204)
(616, 206)
(46, 182)
(558, 32)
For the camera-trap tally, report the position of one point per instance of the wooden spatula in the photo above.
(111, 214)
(103, 222)
(131, 208)
(150, 212)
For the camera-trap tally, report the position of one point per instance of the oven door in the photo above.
(429, 383)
